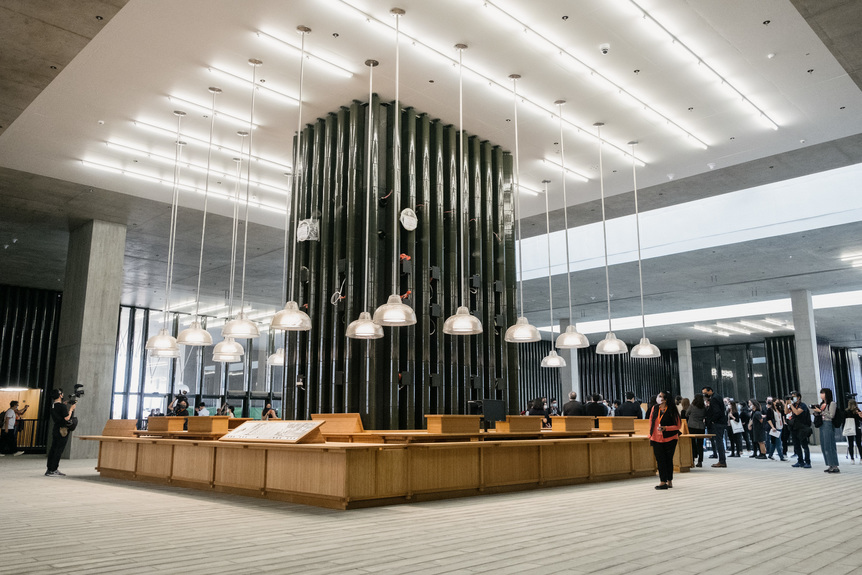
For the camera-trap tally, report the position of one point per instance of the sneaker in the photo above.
(59, 473)
(783, 459)
(50, 474)
(836, 470)
(797, 464)
(713, 456)
(807, 466)
(761, 457)
(17, 453)
(719, 464)
(662, 486)
(699, 464)
(770, 457)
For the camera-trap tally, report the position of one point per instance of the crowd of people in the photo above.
(768, 430)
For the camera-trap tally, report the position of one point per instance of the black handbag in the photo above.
(818, 420)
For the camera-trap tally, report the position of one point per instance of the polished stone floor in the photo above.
(754, 517)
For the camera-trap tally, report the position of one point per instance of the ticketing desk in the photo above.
(345, 475)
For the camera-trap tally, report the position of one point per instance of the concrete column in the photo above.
(570, 379)
(88, 326)
(807, 364)
(686, 373)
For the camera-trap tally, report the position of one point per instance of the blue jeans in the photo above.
(718, 441)
(775, 445)
(827, 444)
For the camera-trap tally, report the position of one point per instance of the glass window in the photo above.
(122, 351)
(138, 345)
(734, 373)
(119, 404)
(759, 373)
(704, 368)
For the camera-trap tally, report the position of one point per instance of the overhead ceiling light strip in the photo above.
(184, 187)
(245, 82)
(218, 147)
(701, 62)
(219, 114)
(491, 82)
(331, 66)
(570, 171)
(592, 71)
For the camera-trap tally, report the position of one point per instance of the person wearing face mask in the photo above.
(800, 429)
(828, 409)
(663, 435)
(716, 423)
(553, 409)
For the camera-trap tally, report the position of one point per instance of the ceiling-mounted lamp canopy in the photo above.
(522, 332)
(553, 360)
(364, 328)
(195, 335)
(611, 345)
(572, 339)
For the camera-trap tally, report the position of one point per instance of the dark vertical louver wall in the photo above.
(613, 375)
(841, 367)
(28, 341)
(824, 362)
(781, 364)
(537, 381)
(393, 382)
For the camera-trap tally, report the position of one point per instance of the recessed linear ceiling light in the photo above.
(711, 330)
(700, 62)
(756, 326)
(184, 187)
(440, 55)
(219, 147)
(776, 322)
(330, 66)
(730, 327)
(194, 167)
(530, 191)
(245, 82)
(595, 74)
(219, 114)
(572, 172)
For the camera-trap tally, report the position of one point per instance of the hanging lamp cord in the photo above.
(248, 183)
(396, 142)
(368, 195)
(550, 285)
(463, 215)
(565, 215)
(604, 227)
(173, 231)
(297, 165)
(215, 92)
(518, 199)
(638, 228)
(235, 225)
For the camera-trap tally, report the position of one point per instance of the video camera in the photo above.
(77, 393)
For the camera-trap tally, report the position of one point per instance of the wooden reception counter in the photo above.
(351, 475)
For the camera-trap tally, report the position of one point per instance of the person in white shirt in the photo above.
(9, 438)
(202, 410)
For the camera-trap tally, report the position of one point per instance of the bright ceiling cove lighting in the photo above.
(644, 349)
(730, 327)
(395, 313)
(522, 331)
(291, 318)
(195, 335)
(610, 345)
(239, 80)
(552, 359)
(325, 64)
(762, 116)
(240, 326)
(364, 327)
(164, 344)
(221, 114)
(567, 170)
(571, 338)
(756, 327)
(462, 323)
(487, 79)
(584, 68)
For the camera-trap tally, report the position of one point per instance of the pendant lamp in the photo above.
(395, 312)
(463, 322)
(291, 318)
(571, 338)
(276, 359)
(523, 331)
(195, 335)
(364, 327)
(164, 343)
(241, 327)
(610, 345)
(552, 359)
(228, 351)
(644, 349)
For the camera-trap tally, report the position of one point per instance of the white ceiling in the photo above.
(156, 48)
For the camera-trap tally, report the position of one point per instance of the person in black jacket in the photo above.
(61, 414)
(630, 407)
(575, 407)
(716, 423)
(596, 408)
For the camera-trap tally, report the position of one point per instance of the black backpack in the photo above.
(838, 420)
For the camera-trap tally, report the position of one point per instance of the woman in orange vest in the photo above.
(663, 435)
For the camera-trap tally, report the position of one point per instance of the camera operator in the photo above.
(179, 407)
(62, 416)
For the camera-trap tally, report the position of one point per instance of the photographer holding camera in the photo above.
(64, 423)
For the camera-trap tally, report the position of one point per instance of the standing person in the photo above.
(775, 424)
(61, 414)
(554, 408)
(828, 410)
(268, 412)
(745, 417)
(736, 430)
(630, 407)
(201, 409)
(716, 423)
(801, 429)
(696, 414)
(683, 407)
(663, 435)
(755, 425)
(853, 419)
(9, 443)
(573, 406)
(596, 408)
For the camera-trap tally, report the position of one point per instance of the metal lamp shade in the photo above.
(571, 339)
(195, 335)
(240, 328)
(522, 332)
(291, 318)
(553, 360)
(645, 350)
(394, 313)
(276, 359)
(462, 323)
(163, 344)
(364, 328)
(611, 345)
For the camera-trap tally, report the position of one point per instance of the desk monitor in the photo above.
(492, 410)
